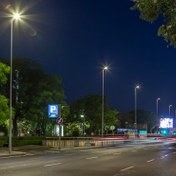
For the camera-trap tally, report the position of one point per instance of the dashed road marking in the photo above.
(29, 154)
(149, 161)
(14, 166)
(127, 168)
(92, 157)
(53, 164)
(162, 157)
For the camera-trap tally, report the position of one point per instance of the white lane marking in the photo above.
(15, 166)
(162, 157)
(127, 168)
(53, 164)
(150, 160)
(92, 157)
(29, 154)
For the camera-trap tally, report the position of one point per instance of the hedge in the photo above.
(20, 141)
(27, 140)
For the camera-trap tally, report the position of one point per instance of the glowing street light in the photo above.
(15, 17)
(103, 80)
(135, 106)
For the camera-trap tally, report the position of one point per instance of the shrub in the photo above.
(1, 143)
(27, 140)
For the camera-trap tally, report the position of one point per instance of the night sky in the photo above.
(75, 38)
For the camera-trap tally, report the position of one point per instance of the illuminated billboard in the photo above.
(166, 123)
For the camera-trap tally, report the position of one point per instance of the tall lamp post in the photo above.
(157, 108)
(135, 103)
(170, 110)
(103, 80)
(83, 117)
(15, 17)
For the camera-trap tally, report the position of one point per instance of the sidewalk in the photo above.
(33, 149)
(22, 150)
(5, 153)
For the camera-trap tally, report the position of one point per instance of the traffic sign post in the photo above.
(53, 111)
(59, 121)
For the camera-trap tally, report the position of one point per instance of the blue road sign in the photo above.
(59, 120)
(53, 111)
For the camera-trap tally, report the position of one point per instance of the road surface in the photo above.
(134, 160)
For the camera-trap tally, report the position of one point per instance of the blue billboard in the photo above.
(53, 111)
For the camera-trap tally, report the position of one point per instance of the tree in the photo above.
(146, 117)
(4, 109)
(143, 118)
(30, 72)
(35, 90)
(4, 70)
(91, 107)
(50, 92)
(163, 11)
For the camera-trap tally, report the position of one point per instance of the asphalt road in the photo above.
(149, 160)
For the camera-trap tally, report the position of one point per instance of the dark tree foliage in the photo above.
(143, 117)
(33, 90)
(162, 10)
(91, 107)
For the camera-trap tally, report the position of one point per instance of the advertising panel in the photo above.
(166, 123)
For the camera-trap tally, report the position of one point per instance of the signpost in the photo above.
(59, 121)
(112, 128)
(53, 111)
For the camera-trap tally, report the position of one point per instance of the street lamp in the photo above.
(83, 117)
(103, 80)
(15, 17)
(135, 103)
(170, 110)
(157, 108)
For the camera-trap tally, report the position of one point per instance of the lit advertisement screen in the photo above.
(166, 123)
